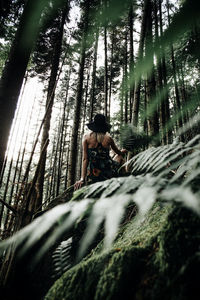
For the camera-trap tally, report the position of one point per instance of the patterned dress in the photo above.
(100, 165)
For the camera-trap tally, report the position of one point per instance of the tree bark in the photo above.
(106, 71)
(136, 101)
(125, 80)
(174, 74)
(160, 78)
(49, 104)
(111, 73)
(131, 61)
(168, 130)
(92, 92)
(78, 103)
(152, 117)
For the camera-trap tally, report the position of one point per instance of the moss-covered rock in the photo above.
(153, 259)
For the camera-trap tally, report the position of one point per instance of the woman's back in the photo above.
(100, 164)
(95, 138)
(97, 164)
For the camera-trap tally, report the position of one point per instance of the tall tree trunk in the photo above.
(83, 123)
(49, 104)
(178, 102)
(184, 92)
(92, 92)
(136, 100)
(15, 68)
(60, 150)
(152, 118)
(125, 86)
(174, 74)
(77, 108)
(145, 125)
(53, 161)
(131, 61)
(67, 164)
(106, 71)
(160, 78)
(62, 134)
(111, 73)
(122, 101)
(168, 130)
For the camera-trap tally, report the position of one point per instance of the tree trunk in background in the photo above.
(145, 125)
(92, 92)
(183, 94)
(15, 68)
(196, 36)
(83, 123)
(136, 101)
(111, 73)
(160, 79)
(67, 163)
(174, 74)
(164, 72)
(152, 117)
(125, 86)
(190, 133)
(60, 150)
(49, 104)
(106, 71)
(66, 108)
(131, 61)
(122, 102)
(77, 108)
(48, 193)
(178, 103)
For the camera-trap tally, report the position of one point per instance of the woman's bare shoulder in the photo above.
(109, 138)
(86, 135)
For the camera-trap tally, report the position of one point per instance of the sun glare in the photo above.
(26, 116)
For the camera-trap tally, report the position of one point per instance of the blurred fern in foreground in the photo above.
(169, 173)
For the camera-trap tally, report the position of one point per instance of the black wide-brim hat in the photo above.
(99, 124)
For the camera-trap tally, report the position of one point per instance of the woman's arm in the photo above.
(115, 148)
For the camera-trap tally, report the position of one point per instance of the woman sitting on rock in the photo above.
(97, 164)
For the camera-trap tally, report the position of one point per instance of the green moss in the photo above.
(146, 261)
(143, 232)
(80, 281)
(178, 239)
(121, 276)
(104, 276)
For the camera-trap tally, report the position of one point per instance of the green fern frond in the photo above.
(62, 259)
(132, 139)
(169, 173)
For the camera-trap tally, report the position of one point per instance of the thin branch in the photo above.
(8, 206)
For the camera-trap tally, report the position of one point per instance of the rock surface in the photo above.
(156, 258)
